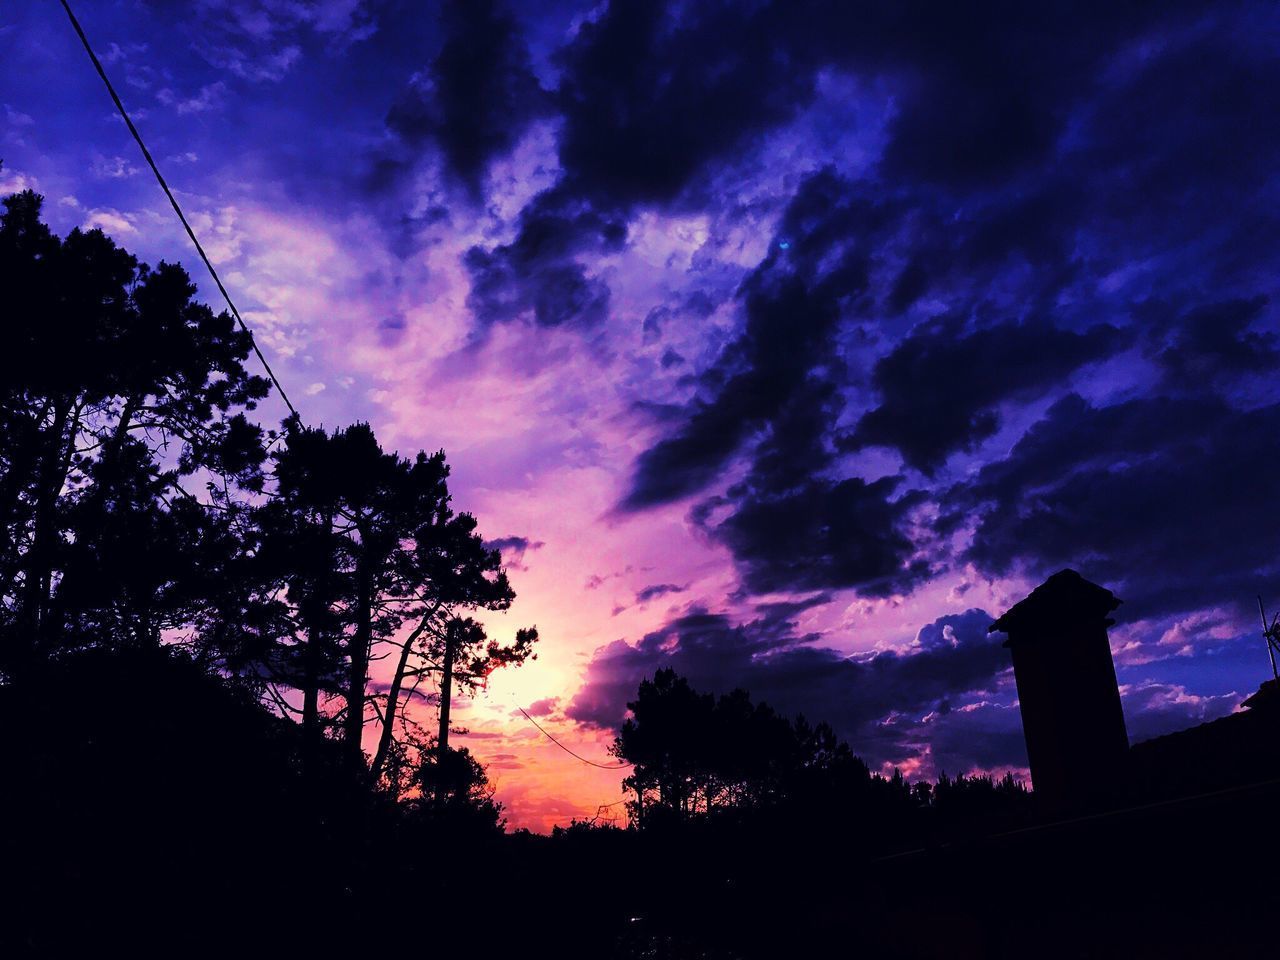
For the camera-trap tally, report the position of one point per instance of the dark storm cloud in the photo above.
(986, 91)
(789, 524)
(658, 590)
(540, 273)
(477, 96)
(995, 113)
(1060, 187)
(514, 544)
(1214, 343)
(1160, 95)
(652, 93)
(875, 701)
(791, 305)
(824, 535)
(1177, 133)
(940, 386)
(1166, 500)
(791, 528)
(648, 97)
(513, 549)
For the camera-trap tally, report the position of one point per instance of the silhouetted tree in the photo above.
(115, 385)
(695, 754)
(699, 757)
(977, 803)
(360, 555)
(462, 643)
(452, 786)
(666, 739)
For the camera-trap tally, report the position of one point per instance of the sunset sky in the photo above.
(783, 342)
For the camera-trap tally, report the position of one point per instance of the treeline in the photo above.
(699, 760)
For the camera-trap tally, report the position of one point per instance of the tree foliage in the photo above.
(115, 386)
(700, 758)
(695, 754)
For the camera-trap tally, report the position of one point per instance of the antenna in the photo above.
(1271, 634)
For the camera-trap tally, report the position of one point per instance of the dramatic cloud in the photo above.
(941, 385)
(260, 40)
(540, 708)
(791, 305)
(656, 590)
(539, 274)
(476, 97)
(1158, 498)
(513, 549)
(1214, 343)
(823, 536)
(652, 93)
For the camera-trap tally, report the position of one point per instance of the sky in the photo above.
(784, 342)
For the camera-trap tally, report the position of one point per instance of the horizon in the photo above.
(789, 364)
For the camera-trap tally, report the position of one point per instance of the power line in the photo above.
(619, 766)
(97, 64)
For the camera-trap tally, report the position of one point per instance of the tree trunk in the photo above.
(112, 450)
(446, 696)
(393, 702)
(311, 655)
(23, 455)
(310, 701)
(311, 687)
(40, 555)
(359, 667)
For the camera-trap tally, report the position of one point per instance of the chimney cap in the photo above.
(1066, 597)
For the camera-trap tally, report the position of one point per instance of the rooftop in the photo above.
(1064, 597)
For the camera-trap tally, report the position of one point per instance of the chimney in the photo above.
(1071, 714)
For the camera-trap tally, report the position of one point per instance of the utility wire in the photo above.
(97, 64)
(602, 766)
